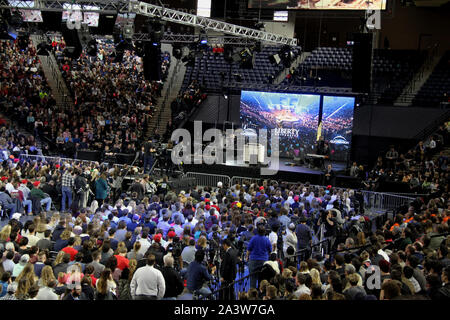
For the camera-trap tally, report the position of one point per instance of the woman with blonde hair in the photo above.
(23, 286)
(46, 276)
(315, 276)
(132, 265)
(63, 241)
(28, 274)
(40, 229)
(361, 239)
(59, 258)
(54, 220)
(5, 234)
(303, 267)
(202, 243)
(134, 254)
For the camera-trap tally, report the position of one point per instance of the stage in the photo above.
(286, 172)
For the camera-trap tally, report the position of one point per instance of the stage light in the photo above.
(247, 58)
(155, 28)
(202, 40)
(260, 25)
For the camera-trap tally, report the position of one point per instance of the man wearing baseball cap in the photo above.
(37, 193)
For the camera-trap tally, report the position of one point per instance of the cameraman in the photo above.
(228, 270)
(197, 274)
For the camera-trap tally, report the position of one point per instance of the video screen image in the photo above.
(294, 116)
(337, 125)
(31, 15)
(318, 4)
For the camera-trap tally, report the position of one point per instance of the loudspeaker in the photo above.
(362, 62)
(152, 62)
(51, 20)
(72, 40)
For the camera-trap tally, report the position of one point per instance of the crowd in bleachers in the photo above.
(24, 91)
(187, 100)
(422, 169)
(112, 102)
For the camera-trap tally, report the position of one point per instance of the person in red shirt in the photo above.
(122, 261)
(70, 249)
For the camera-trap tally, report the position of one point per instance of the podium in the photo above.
(253, 150)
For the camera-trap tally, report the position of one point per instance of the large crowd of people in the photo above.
(74, 230)
(71, 232)
(113, 103)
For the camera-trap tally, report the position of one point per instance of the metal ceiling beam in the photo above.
(149, 10)
(192, 20)
(101, 6)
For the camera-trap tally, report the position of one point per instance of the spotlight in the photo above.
(202, 40)
(128, 31)
(247, 58)
(260, 25)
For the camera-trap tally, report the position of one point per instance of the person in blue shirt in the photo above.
(189, 222)
(114, 243)
(164, 225)
(258, 251)
(148, 223)
(197, 275)
(177, 227)
(133, 224)
(6, 280)
(178, 214)
(123, 215)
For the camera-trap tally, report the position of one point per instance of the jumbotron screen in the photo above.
(294, 116)
(318, 4)
(337, 125)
